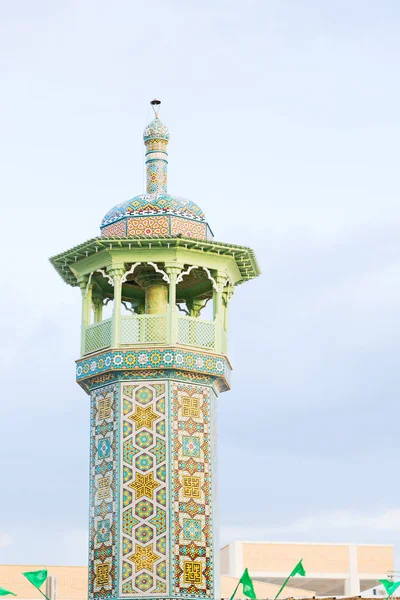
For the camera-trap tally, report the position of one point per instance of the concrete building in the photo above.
(71, 581)
(331, 569)
(262, 590)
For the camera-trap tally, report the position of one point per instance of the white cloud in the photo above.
(328, 521)
(5, 540)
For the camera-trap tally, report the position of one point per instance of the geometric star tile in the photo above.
(192, 529)
(144, 557)
(191, 465)
(192, 508)
(144, 417)
(144, 485)
(190, 426)
(103, 531)
(192, 550)
(190, 446)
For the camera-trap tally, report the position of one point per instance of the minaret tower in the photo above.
(153, 371)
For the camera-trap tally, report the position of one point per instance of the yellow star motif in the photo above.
(144, 557)
(144, 485)
(144, 417)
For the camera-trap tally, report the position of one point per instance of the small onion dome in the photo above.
(156, 130)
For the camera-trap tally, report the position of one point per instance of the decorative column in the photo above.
(116, 273)
(218, 310)
(51, 587)
(172, 272)
(195, 307)
(226, 296)
(86, 290)
(156, 298)
(98, 305)
(352, 584)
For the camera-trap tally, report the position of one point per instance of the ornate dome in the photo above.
(156, 213)
(154, 204)
(156, 130)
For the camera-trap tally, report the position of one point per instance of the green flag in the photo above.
(37, 578)
(248, 588)
(4, 592)
(298, 570)
(390, 586)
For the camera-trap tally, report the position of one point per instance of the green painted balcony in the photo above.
(156, 330)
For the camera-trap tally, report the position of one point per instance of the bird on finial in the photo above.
(155, 105)
(156, 130)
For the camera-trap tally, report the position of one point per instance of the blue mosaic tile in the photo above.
(154, 204)
(152, 359)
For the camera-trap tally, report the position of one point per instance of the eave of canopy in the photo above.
(244, 257)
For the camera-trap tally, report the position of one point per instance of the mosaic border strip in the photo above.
(103, 378)
(103, 494)
(115, 360)
(192, 532)
(157, 225)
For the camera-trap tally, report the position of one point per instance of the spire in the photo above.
(156, 138)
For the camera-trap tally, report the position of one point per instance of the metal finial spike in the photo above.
(155, 105)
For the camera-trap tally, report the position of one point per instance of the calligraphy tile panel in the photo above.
(103, 492)
(191, 465)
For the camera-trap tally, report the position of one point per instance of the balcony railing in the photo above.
(196, 332)
(98, 336)
(144, 330)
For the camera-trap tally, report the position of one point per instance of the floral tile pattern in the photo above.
(116, 360)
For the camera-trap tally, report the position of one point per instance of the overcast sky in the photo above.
(285, 128)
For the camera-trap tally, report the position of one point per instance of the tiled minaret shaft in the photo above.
(153, 368)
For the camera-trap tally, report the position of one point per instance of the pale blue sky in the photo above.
(285, 128)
